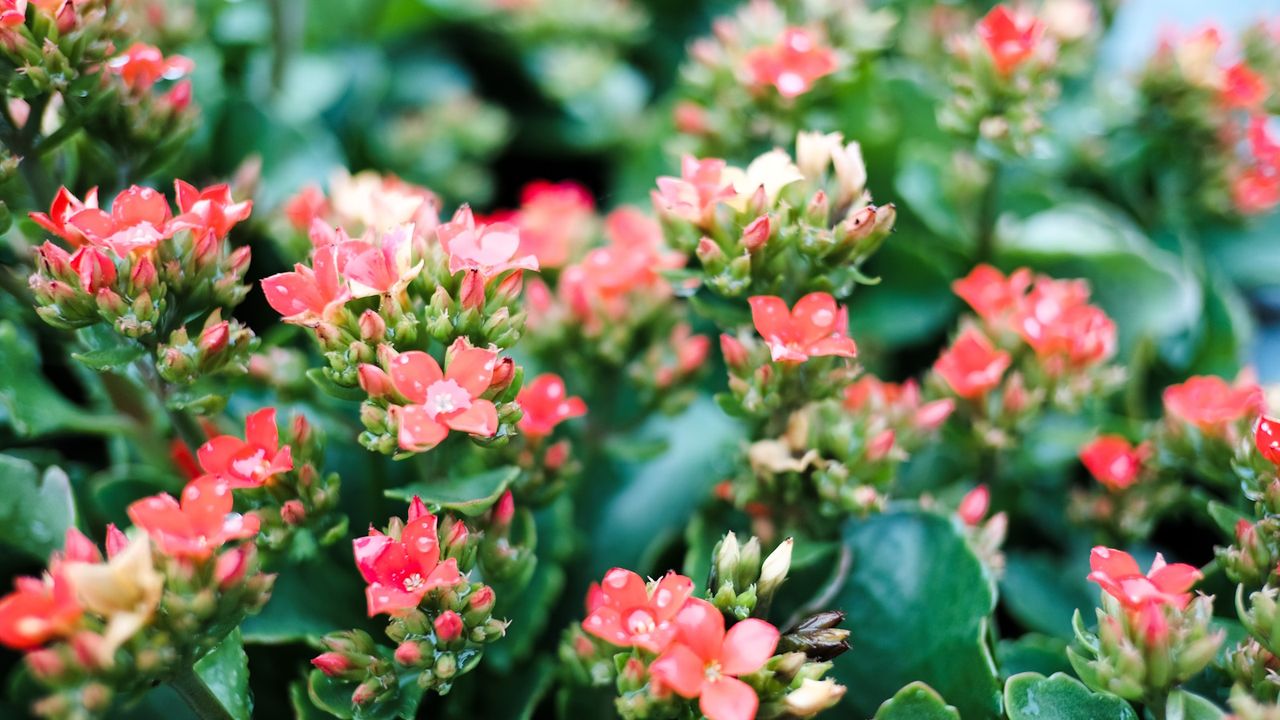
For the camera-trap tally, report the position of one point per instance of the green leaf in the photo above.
(1225, 517)
(918, 602)
(31, 403)
(297, 612)
(1042, 592)
(35, 512)
(915, 304)
(470, 495)
(1183, 705)
(329, 387)
(334, 696)
(111, 358)
(922, 172)
(1032, 652)
(916, 701)
(1031, 696)
(225, 671)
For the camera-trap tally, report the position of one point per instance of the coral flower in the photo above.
(209, 210)
(1243, 88)
(489, 249)
(64, 207)
(12, 13)
(142, 66)
(444, 401)
(705, 661)
(792, 63)
(972, 366)
(37, 611)
(400, 571)
(1011, 38)
(546, 405)
(1267, 438)
(1118, 574)
(309, 295)
(815, 326)
(202, 523)
(992, 295)
(624, 612)
(555, 219)
(252, 461)
(1211, 404)
(1114, 462)
(138, 221)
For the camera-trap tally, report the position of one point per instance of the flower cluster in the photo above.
(96, 631)
(147, 273)
(778, 64)
(1204, 95)
(417, 572)
(1152, 635)
(1005, 71)
(1036, 341)
(669, 651)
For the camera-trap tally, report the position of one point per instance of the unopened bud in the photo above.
(213, 338)
(292, 512)
(813, 696)
(774, 570)
(973, 507)
(710, 254)
(879, 446)
(504, 371)
(726, 557)
(448, 626)
(408, 653)
(471, 294)
(331, 663)
(755, 235)
(372, 327)
(735, 354)
(374, 381)
(503, 511)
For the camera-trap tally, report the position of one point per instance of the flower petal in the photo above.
(418, 430)
(480, 419)
(680, 669)
(701, 628)
(728, 699)
(413, 372)
(472, 368)
(747, 646)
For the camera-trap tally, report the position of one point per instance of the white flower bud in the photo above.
(775, 568)
(813, 696)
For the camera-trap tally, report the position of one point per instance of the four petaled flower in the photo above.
(444, 401)
(487, 249)
(309, 295)
(252, 461)
(622, 611)
(1114, 462)
(1118, 574)
(816, 326)
(792, 63)
(401, 570)
(705, 661)
(545, 405)
(1010, 37)
(209, 210)
(972, 366)
(202, 523)
(142, 66)
(1211, 404)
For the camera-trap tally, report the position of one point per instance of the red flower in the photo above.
(444, 401)
(1114, 462)
(1267, 438)
(400, 571)
(554, 219)
(1210, 404)
(489, 249)
(142, 66)
(37, 611)
(792, 63)
(705, 661)
(1010, 38)
(12, 12)
(974, 505)
(545, 405)
(202, 523)
(309, 295)
(94, 267)
(64, 207)
(209, 210)
(622, 611)
(1255, 192)
(1079, 335)
(972, 366)
(1118, 574)
(992, 295)
(139, 220)
(382, 268)
(815, 327)
(305, 206)
(252, 461)
(1243, 88)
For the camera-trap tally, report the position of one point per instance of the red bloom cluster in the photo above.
(792, 63)
(1256, 188)
(815, 327)
(198, 525)
(1118, 574)
(252, 461)
(1114, 461)
(897, 402)
(1213, 406)
(555, 221)
(972, 366)
(142, 66)
(1011, 37)
(43, 609)
(546, 404)
(401, 568)
(696, 657)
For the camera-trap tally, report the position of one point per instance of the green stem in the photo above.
(988, 213)
(183, 424)
(198, 696)
(1156, 706)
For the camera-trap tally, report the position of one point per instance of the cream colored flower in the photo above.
(772, 171)
(125, 590)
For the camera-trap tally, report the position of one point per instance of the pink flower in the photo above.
(705, 661)
(1255, 192)
(1114, 462)
(1118, 574)
(37, 611)
(138, 221)
(1080, 335)
(972, 366)
(202, 523)
(816, 326)
(305, 206)
(64, 207)
(554, 219)
(1010, 37)
(94, 267)
(1243, 88)
(792, 63)
(444, 401)
(1212, 405)
(992, 295)
(209, 210)
(382, 268)
(309, 295)
(487, 249)
(546, 405)
(974, 505)
(622, 611)
(12, 12)
(1267, 439)
(252, 461)
(142, 66)
(400, 571)
(694, 195)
